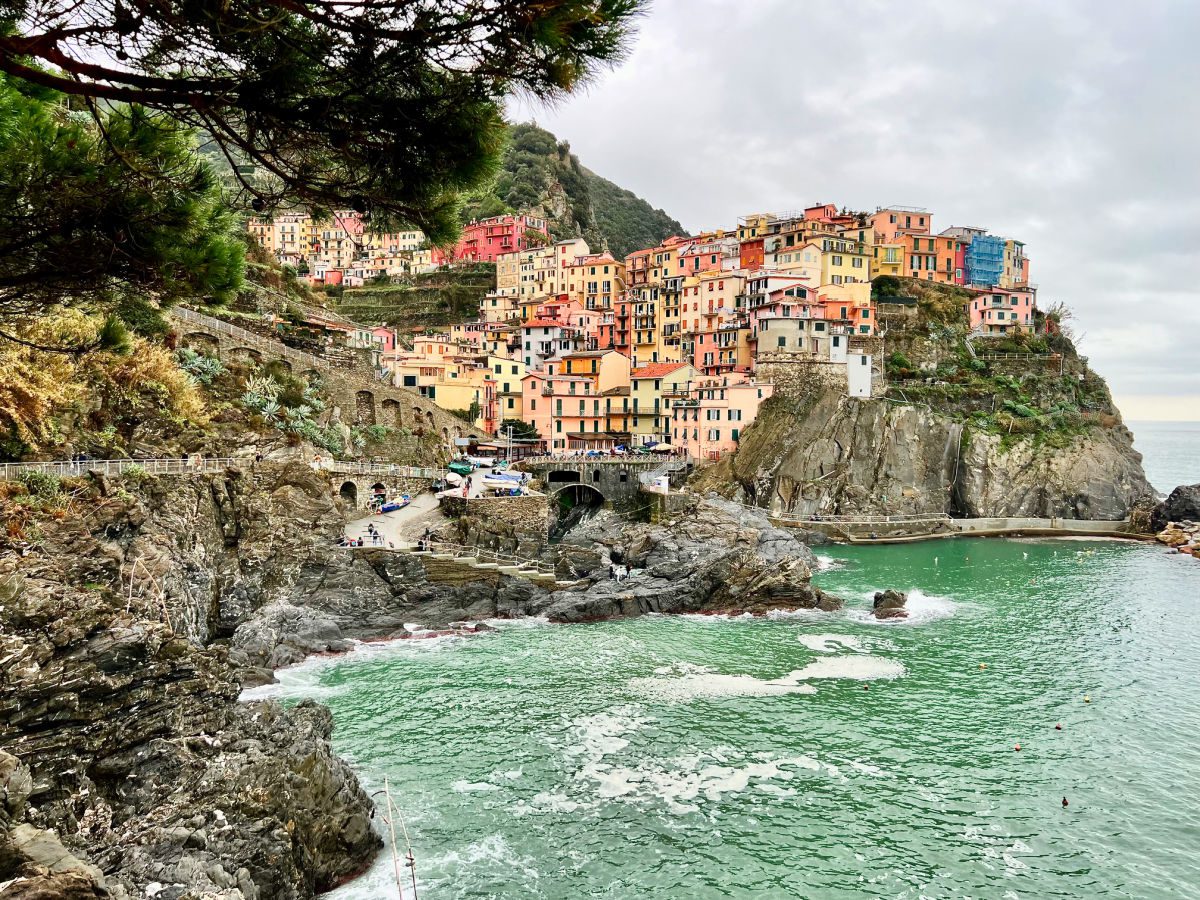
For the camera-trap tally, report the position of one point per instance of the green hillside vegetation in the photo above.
(1024, 385)
(540, 175)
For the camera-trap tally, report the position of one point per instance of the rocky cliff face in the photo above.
(839, 455)
(130, 768)
(715, 557)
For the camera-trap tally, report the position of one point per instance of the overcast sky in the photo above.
(1073, 125)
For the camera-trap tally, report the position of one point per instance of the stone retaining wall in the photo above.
(798, 376)
(356, 396)
(528, 514)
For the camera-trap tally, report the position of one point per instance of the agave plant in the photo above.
(265, 386)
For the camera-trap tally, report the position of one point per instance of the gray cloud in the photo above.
(1071, 125)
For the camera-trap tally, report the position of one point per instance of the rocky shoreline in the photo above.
(129, 629)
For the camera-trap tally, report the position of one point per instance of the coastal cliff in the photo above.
(841, 455)
(959, 423)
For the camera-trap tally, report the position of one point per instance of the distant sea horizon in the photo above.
(1170, 452)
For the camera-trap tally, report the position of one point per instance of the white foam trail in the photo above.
(828, 563)
(713, 685)
(472, 787)
(831, 643)
(522, 622)
(856, 668)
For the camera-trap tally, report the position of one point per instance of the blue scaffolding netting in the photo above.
(985, 259)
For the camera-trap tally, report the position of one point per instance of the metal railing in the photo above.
(588, 460)
(820, 519)
(68, 468)
(667, 468)
(360, 468)
(198, 465)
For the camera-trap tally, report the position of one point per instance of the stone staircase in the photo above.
(484, 560)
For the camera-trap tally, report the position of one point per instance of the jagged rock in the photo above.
(889, 604)
(719, 557)
(1182, 504)
(135, 758)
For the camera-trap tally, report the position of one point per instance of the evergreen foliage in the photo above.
(389, 108)
(106, 214)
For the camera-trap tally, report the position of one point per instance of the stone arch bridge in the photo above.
(357, 396)
(618, 480)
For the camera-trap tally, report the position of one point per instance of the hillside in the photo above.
(541, 176)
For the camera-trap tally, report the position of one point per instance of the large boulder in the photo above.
(889, 604)
(1183, 505)
(717, 557)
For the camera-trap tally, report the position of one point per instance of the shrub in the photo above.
(135, 473)
(40, 484)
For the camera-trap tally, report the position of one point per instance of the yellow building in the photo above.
(607, 369)
(887, 259)
(594, 281)
(653, 388)
(507, 373)
(842, 261)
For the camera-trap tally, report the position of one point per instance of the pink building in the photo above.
(711, 418)
(567, 410)
(484, 240)
(385, 336)
(1002, 310)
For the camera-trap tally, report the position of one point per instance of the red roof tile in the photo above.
(656, 370)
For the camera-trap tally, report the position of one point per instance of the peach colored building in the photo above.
(710, 418)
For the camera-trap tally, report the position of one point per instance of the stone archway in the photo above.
(364, 408)
(349, 493)
(562, 477)
(245, 354)
(573, 503)
(202, 341)
(392, 414)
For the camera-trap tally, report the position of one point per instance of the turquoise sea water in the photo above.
(695, 757)
(1170, 452)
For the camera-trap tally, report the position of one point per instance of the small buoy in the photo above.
(1065, 803)
(1087, 699)
(983, 665)
(1058, 726)
(1024, 555)
(1017, 747)
(866, 687)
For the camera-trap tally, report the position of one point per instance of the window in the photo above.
(837, 260)
(782, 341)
